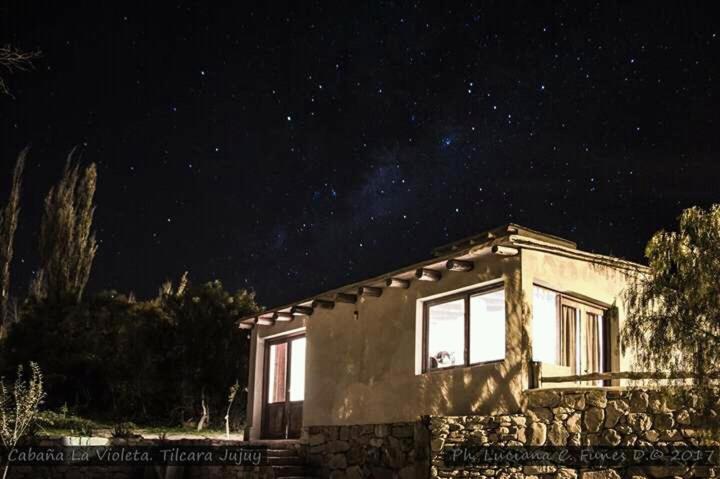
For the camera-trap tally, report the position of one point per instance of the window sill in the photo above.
(462, 366)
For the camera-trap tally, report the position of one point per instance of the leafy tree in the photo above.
(673, 318)
(145, 361)
(8, 224)
(212, 352)
(67, 243)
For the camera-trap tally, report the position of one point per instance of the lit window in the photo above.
(466, 328)
(487, 327)
(446, 334)
(569, 332)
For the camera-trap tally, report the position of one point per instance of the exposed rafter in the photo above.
(370, 291)
(346, 298)
(459, 265)
(323, 304)
(397, 283)
(425, 274)
(301, 310)
(282, 316)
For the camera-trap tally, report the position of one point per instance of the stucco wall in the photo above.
(570, 275)
(363, 371)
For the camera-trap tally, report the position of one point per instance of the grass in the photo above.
(52, 424)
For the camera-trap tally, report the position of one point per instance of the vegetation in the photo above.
(13, 60)
(19, 408)
(8, 224)
(673, 319)
(165, 361)
(150, 362)
(67, 243)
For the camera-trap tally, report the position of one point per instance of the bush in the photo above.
(77, 426)
(124, 430)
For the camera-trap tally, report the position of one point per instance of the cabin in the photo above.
(465, 332)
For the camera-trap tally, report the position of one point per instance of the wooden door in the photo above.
(284, 389)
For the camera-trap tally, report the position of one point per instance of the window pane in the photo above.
(446, 334)
(544, 330)
(276, 372)
(487, 327)
(297, 370)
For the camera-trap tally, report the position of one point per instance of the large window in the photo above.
(464, 329)
(569, 332)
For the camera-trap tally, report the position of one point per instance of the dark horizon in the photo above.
(292, 150)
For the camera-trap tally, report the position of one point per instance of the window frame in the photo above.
(465, 295)
(584, 306)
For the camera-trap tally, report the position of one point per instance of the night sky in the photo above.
(295, 148)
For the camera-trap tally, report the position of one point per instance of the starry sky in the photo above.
(292, 148)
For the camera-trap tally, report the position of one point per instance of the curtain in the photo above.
(567, 333)
(592, 344)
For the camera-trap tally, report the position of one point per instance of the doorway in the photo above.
(284, 389)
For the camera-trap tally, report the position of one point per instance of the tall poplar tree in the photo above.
(8, 225)
(67, 242)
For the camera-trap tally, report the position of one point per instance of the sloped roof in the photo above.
(501, 240)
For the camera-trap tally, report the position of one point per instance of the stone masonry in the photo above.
(577, 417)
(380, 451)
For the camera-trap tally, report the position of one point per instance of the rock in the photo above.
(594, 417)
(354, 472)
(337, 461)
(564, 473)
(404, 430)
(535, 470)
(337, 446)
(437, 444)
(573, 423)
(537, 434)
(519, 420)
(382, 430)
(382, 473)
(355, 456)
(665, 471)
(651, 436)
(376, 442)
(614, 411)
(663, 422)
(540, 415)
(573, 401)
(639, 401)
(407, 472)
(611, 438)
(683, 417)
(596, 398)
(316, 439)
(557, 435)
(671, 435)
(640, 422)
(336, 474)
(540, 398)
(606, 474)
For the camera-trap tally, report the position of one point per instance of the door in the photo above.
(284, 387)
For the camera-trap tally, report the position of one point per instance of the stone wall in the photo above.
(380, 451)
(579, 417)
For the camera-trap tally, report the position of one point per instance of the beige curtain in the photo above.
(592, 344)
(566, 341)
